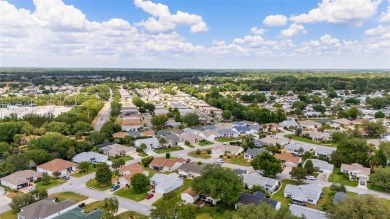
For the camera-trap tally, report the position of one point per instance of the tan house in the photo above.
(356, 170)
(288, 159)
(163, 165)
(129, 171)
(20, 179)
(57, 165)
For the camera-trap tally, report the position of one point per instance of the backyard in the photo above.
(53, 182)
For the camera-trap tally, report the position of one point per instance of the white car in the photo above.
(220, 161)
(310, 178)
(32, 188)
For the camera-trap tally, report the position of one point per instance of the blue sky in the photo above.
(195, 33)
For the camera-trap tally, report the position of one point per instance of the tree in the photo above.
(103, 174)
(108, 215)
(21, 200)
(111, 205)
(191, 119)
(221, 183)
(385, 147)
(298, 173)
(82, 127)
(45, 178)
(361, 206)
(143, 146)
(352, 150)
(319, 108)
(167, 155)
(261, 211)
(309, 167)
(268, 163)
(139, 182)
(56, 174)
(374, 128)
(84, 166)
(162, 141)
(71, 153)
(171, 209)
(40, 193)
(138, 102)
(198, 152)
(149, 106)
(159, 121)
(381, 177)
(226, 114)
(146, 160)
(379, 114)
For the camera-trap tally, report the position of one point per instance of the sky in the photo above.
(201, 34)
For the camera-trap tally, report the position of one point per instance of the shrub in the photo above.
(146, 161)
(198, 151)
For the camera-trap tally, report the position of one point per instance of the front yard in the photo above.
(131, 194)
(62, 196)
(92, 206)
(126, 158)
(225, 139)
(94, 184)
(237, 160)
(338, 177)
(79, 174)
(306, 140)
(186, 184)
(53, 182)
(279, 196)
(130, 214)
(203, 154)
(205, 143)
(167, 150)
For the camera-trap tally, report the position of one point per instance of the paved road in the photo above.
(104, 114)
(77, 185)
(4, 204)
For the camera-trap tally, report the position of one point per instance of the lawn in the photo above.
(130, 214)
(224, 139)
(92, 206)
(327, 199)
(376, 188)
(187, 183)
(205, 142)
(8, 215)
(214, 212)
(53, 182)
(126, 158)
(131, 194)
(203, 154)
(167, 150)
(279, 196)
(306, 140)
(338, 177)
(62, 196)
(142, 154)
(237, 160)
(79, 174)
(94, 184)
(190, 145)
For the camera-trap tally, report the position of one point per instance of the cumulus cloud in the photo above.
(163, 20)
(385, 17)
(293, 30)
(350, 12)
(275, 20)
(258, 31)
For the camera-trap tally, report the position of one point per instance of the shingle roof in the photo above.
(44, 208)
(309, 213)
(256, 198)
(57, 165)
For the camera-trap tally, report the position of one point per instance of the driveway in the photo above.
(4, 203)
(149, 202)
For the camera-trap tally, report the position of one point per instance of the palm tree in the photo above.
(162, 141)
(107, 215)
(111, 205)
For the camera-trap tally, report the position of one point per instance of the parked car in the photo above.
(66, 177)
(114, 187)
(32, 188)
(220, 161)
(149, 196)
(188, 161)
(310, 178)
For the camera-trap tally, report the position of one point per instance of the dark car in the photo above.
(66, 177)
(188, 161)
(114, 187)
(149, 196)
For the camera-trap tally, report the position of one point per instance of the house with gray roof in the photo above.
(324, 151)
(166, 183)
(91, 157)
(255, 179)
(151, 143)
(302, 194)
(321, 166)
(298, 148)
(46, 208)
(190, 170)
(307, 213)
(228, 133)
(256, 198)
(114, 150)
(251, 153)
(20, 179)
(289, 123)
(338, 197)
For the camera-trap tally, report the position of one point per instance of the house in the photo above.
(272, 127)
(385, 137)
(302, 194)
(255, 179)
(306, 212)
(189, 196)
(251, 153)
(166, 183)
(209, 135)
(343, 122)
(256, 198)
(298, 148)
(119, 135)
(226, 149)
(324, 151)
(114, 150)
(163, 165)
(288, 159)
(151, 143)
(243, 130)
(290, 122)
(129, 171)
(91, 157)
(192, 138)
(57, 165)
(356, 170)
(228, 133)
(46, 208)
(131, 124)
(317, 136)
(78, 213)
(20, 179)
(309, 124)
(173, 140)
(321, 166)
(339, 196)
(273, 141)
(190, 170)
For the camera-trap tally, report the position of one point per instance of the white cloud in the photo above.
(379, 31)
(165, 20)
(351, 12)
(257, 31)
(275, 20)
(293, 30)
(385, 16)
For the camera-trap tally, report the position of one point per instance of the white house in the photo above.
(57, 165)
(356, 170)
(189, 196)
(166, 183)
(255, 179)
(302, 194)
(227, 149)
(151, 143)
(324, 151)
(298, 148)
(321, 166)
(91, 157)
(20, 179)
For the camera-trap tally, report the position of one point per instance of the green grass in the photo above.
(186, 184)
(142, 154)
(327, 199)
(224, 139)
(131, 194)
(92, 206)
(53, 182)
(8, 215)
(203, 154)
(214, 212)
(376, 188)
(279, 196)
(190, 145)
(130, 214)
(306, 140)
(237, 160)
(167, 150)
(62, 196)
(126, 158)
(79, 174)
(94, 184)
(337, 177)
(205, 142)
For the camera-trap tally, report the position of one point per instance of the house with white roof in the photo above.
(298, 148)
(308, 213)
(255, 179)
(324, 151)
(91, 157)
(321, 166)
(151, 143)
(302, 194)
(356, 170)
(166, 183)
(227, 149)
